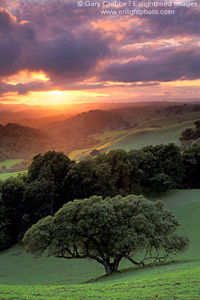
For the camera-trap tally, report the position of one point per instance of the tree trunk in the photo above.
(111, 267)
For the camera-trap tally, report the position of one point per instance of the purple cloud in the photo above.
(59, 39)
(177, 64)
(23, 88)
(71, 55)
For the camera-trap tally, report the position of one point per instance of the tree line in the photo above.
(53, 180)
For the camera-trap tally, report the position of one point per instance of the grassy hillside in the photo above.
(25, 277)
(107, 137)
(126, 127)
(82, 130)
(137, 138)
(10, 162)
(140, 138)
(4, 176)
(169, 120)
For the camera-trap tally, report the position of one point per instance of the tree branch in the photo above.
(92, 256)
(134, 262)
(94, 241)
(156, 258)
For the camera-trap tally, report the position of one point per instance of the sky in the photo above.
(64, 52)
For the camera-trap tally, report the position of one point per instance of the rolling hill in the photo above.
(87, 123)
(17, 141)
(122, 127)
(136, 138)
(140, 138)
(76, 132)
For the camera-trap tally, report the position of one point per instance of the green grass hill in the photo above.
(139, 137)
(8, 164)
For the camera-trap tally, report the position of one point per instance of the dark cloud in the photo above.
(69, 55)
(185, 21)
(177, 64)
(14, 39)
(6, 21)
(23, 88)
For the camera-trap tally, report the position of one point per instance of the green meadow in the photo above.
(10, 162)
(23, 276)
(4, 176)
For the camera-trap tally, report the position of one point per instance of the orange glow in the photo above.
(118, 28)
(26, 77)
(55, 97)
(182, 83)
(12, 18)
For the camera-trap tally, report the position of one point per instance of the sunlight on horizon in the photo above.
(55, 93)
(57, 97)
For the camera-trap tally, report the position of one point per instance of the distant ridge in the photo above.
(17, 141)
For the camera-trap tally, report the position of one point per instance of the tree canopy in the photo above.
(11, 211)
(107, 230)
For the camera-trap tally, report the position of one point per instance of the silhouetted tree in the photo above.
(191, 161)
(53, 167)
(11, 211)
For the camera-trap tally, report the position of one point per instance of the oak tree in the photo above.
(107, 230)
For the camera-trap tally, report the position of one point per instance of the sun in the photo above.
(55, 93)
